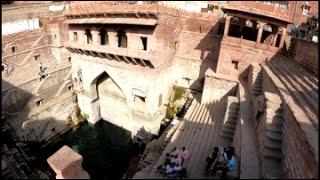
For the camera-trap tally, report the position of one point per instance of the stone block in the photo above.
(67, 164)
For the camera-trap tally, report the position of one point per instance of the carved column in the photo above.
(226, 26)
(275, 37)
(261, 25)
(283, 36)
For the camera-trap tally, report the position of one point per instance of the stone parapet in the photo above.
(67, 164)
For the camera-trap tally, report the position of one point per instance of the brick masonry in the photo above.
(305, 53)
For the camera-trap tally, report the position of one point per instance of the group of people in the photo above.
(220, 159)
(174, 161)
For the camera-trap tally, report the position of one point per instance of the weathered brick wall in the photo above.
(197, 51)
(305, 53)
(24, 43)
(299, 161)
(215, 88)
(244, 55)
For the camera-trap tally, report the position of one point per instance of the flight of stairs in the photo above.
(300, 84)
(229, 122)
(257, 81)
(198, 132)
(272, 151)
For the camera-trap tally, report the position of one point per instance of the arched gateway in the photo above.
(110, 100)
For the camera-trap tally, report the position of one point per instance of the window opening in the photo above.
(144, 41)
(13, 49)
(122, 39)
(89, 36)
(75, 36)
(235, 64)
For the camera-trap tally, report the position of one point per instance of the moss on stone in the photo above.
(172, 108)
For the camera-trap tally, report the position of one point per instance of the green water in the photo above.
(106, 149)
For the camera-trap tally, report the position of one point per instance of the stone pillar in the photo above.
(274, 37)
(226, 26)
(283, 36)
(95, 36)
(67, 164)
(70, 36)
(261, 25)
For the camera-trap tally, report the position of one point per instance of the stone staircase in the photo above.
(229, 122)
(300, 84)
(198, 132)
(30, 71)
(257, 81)
(26, 59)
(272, 151)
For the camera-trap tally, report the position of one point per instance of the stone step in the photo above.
(274, 136)
(272, 144)
(227, 136)
(228, 131)
(298, 84)
(275, 127)
(230, 125)
(296, 69)
(297, 94)
(232, 121)
(271, 169)
(257, 93)
(257, 87)
(271, 153)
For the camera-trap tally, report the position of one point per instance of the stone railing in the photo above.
(92, 8)
(260, 8)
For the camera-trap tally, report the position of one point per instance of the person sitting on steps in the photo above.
(184, 154)
(226, 162)
(211, 159)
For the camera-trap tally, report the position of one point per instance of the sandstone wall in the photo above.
(298, 160)
(216, 88)
(241, 54)
(306, 53)
(198, 50)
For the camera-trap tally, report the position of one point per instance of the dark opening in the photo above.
(235, 27)
(266, 37)
(144, 41)
(75, 36)
(39, 103)
(139, 98)
(55, 36)
(235, 64)
(103, 37)
(70, 87)
(122, 39)
(89, 36)
(36, 57)
(13, 49)
(278, 40)
(249, 31)
(69, 59)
